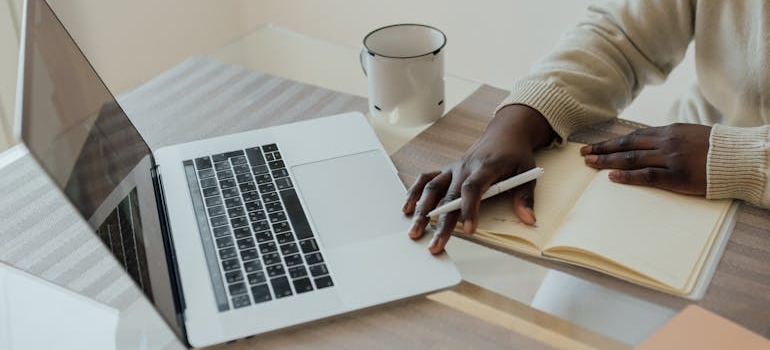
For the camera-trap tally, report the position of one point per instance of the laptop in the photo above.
(231, 236)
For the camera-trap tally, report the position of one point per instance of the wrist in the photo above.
(526, 125)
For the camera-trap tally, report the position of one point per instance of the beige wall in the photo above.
(10, 11)
(492, 41)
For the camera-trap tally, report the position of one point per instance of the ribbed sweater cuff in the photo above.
(736, 165)
(563, 112)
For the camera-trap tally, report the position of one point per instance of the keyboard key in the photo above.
(318, 270)
(252, 266)
(249, 254)
(230, 264)
(220, 166)
(240, 301)
(213, 201)
(253, 205)
(236, 211)
(218, 221)
(255, 156)
(283, 183)
(241, 178)
(234, 276)
(238, 160)
(270, 197)
(247, 187)
(232, 202)
(241, 169)
(323, 282)
(277, 216)
(227, 253)
(297, 271)
(258, 215)
(276, 164)
(264, 236)
(205, 173)
(270, 148)
(281, 287)
(263, 178)
(281, 227)
(285, 237)
(256, 278)
(279, 173)
(230, 192)
(260, 226)
(242, 232)
(210, 182)
(275, 270)
(292, 260)
(245, 243)
(250, 196)
(308, 246)
(224, 242)
(221, 231)
(289, 249)
(303, 285)
(267, 187)
(210, 191)
(260, 169)
(203, 163)
(239, 222)
(216, 211)
(269, 157)
(261, 293)
(271, 258)
(237, 288)
(296, 214)
(267, 247)
(225, 174)
(314, 258)
(273, 207)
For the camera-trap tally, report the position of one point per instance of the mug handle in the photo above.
(361, 59)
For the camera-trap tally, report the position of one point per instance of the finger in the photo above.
(627, 160)
(524, 202)
(415, 191)
(444, 228)
(633, 141)
(472, 189)
(652, 177)
(431, 194)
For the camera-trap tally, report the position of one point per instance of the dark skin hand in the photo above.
(672, 157)
(505, 149)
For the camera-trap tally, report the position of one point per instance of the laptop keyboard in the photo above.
(256, 236)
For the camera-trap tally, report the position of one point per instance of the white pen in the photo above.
(493, 190)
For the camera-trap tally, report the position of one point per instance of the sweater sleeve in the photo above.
(737, 164)
(602, 64)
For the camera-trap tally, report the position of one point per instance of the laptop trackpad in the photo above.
(351, 198)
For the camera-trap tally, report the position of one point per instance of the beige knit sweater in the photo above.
(602, 64)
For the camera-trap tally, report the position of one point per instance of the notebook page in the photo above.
(655, 232)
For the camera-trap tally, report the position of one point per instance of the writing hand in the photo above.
(672, 157)
(505, 149)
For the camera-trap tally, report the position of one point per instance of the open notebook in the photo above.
(655, 238)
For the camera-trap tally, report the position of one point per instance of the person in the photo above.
(718, 146)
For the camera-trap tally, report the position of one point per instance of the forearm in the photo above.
(602, 64)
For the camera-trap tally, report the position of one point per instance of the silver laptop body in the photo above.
(231, 236)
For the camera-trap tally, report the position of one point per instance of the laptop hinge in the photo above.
(168, 244)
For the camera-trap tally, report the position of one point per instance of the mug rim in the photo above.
(434, 52)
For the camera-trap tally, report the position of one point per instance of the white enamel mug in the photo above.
(404, 66)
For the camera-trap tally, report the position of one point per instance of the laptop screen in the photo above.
(82, 138)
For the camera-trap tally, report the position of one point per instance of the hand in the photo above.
(672, 157)
(505, 149)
